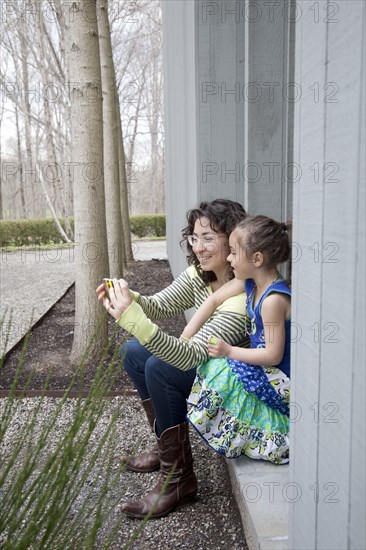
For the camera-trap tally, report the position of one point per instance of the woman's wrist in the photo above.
(134, 321)
(118, 319)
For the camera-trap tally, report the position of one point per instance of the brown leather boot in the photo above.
(149, 460)
(174, 452)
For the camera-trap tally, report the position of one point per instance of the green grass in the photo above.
(59, 481)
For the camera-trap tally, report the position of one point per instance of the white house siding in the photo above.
(226, 71)
(181, 171)
(220, 86)
(270, 102)
(204, 122)
(328, 380)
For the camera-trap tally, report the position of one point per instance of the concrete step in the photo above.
(263, 492)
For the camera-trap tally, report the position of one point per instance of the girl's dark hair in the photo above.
(270, 237)
(223, 215)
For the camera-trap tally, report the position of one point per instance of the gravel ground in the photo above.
(211, 522)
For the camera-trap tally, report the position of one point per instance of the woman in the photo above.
(163, 367)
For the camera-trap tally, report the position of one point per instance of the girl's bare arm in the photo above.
(204, 312)
(275, 310)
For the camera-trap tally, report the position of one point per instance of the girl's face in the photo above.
(210, 247)
(240, 261)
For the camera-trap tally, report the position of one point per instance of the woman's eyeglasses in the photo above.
(205, 240)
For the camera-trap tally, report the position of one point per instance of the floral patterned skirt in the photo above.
(234, 421)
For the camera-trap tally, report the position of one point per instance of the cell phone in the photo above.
(108, 283)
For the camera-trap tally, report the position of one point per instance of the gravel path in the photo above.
(210, 523)
(31, 282)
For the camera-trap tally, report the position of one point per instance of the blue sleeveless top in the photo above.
(256, 328)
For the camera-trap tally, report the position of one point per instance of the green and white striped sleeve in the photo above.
(175, 299)
(227, 323)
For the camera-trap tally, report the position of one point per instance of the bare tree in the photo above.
(110, 143)
(20, 164)
(128, 254)
(91, 258)
(35, 69)
(27, 117)
(1, 177)
(137, 37)
(33, 42)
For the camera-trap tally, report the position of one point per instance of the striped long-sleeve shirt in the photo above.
(188, 290)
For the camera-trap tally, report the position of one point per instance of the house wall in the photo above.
(180, 90)
(270, 101)
(328, 360)
(221, 106)
(210, 50)
(227, 67)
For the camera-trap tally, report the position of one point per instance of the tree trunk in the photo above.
(67, 151)
(25, 206)
(110, 142)
(50, 205)
(131, 149)
(1, 163)
(123, 189)
(20, 164)
(27, 118)
(91, 256)
(153, 106)
(67, 192)
(50, 146)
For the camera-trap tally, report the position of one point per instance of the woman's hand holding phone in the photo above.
(115, 296)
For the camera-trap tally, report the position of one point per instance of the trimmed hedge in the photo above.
(43, 231)
(32, 231)
(148, 225)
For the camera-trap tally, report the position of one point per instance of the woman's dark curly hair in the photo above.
(224, 215)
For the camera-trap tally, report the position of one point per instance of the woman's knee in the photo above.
(133, 356)
(155, 371)
(159, 374)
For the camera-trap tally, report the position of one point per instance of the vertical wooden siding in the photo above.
(180, 89)
(217, 138)
(221, 79)
(270, 109)
(328, 381)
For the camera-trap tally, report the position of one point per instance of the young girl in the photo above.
(239, 400)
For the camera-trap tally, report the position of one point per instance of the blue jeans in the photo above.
(166, 386)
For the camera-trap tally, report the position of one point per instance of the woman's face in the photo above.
(210, 247)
